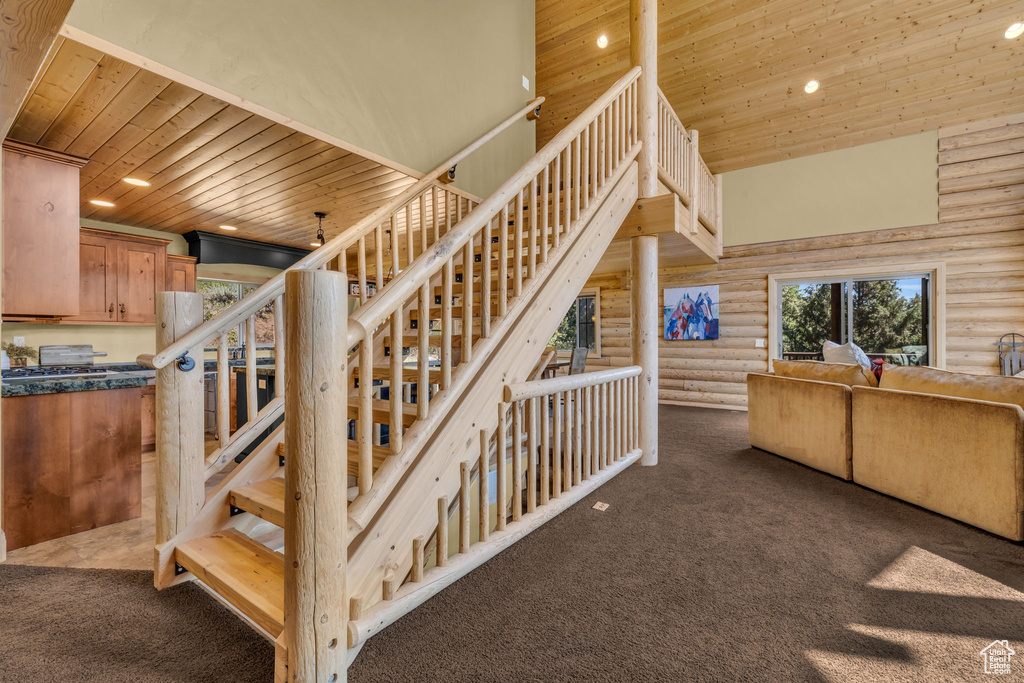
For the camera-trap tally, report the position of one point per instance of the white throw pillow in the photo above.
(848, 353)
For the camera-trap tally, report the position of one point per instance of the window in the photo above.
(889, 315)
(581, 325)
(219, 295)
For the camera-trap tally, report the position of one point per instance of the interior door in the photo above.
(140, 275)
(98, 281)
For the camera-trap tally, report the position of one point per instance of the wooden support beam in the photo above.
(316, 543)
(643, 52)
(654, 216)
(645, 330)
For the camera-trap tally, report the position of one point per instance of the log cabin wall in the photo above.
(981, 169)
(979, 238)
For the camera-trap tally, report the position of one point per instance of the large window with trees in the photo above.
(888, 316)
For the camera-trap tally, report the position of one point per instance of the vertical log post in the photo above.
(180, 460)
(643, 52)
(316, 546)
(645, 333)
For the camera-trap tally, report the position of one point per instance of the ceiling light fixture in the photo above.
(1014, 31)
(811, 87)
(320, 216)
(100, 202)
(136, 182)
(227, 227)
(602, 41)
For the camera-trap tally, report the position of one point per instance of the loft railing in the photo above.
(683, 171)
(557, 440)
(542, 203)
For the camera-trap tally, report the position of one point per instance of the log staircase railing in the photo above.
(683, 171)
(446, 326)
(557, 440)
(486, 259)
(380, 246)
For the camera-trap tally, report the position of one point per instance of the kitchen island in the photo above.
(71, 455)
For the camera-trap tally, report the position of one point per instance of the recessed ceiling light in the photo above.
(136, 182)
(227, 227)
(1014, 31)
(314, 244)
(602, 41)
(812, 86)
(100, 202)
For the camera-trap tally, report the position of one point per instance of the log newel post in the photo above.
(645, 326)
(316, 546)
(180, 458)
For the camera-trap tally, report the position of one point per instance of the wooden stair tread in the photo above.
(409, 374)
(245, 573)
(382, 412)
(433, 340)
(265, 499)
(380, 454)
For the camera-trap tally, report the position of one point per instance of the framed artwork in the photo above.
(691, 312)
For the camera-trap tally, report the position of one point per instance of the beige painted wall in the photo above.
(123, 343)
(413, 81)
(887, 184)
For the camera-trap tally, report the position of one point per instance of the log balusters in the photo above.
(452, 295)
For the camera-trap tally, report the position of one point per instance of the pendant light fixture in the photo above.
(321, 240)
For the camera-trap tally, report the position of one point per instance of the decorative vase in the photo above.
(19, 362)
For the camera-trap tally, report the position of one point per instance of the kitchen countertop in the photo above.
(208, 364)
(34, 386)
(121, 377)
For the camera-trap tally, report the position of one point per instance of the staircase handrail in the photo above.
(554, 385)
(369, 317)
(414, 282)
(231, 317)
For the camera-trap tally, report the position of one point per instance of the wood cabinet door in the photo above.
(140, 275)
(181, 274)
(98, 282)
(40, 236)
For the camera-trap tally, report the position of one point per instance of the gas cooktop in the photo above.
(54, 371)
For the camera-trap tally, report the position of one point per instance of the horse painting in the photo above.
(691, 313)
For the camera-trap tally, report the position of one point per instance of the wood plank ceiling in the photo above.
(735, 69)
(208, 163)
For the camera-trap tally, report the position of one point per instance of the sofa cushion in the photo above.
(923, 380)
(847, 353)
(836, 373)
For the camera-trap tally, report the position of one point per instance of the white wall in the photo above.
(887, 184)
(413, 81)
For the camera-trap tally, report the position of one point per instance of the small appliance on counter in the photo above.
(68, 354)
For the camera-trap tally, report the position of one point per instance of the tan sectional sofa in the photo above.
(803, 412)
(949, 442)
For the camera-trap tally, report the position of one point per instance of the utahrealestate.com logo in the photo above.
(997, 657)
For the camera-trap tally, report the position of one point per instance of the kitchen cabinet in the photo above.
(40, 232)
(71, 463)
(181, 273)
(120, 275)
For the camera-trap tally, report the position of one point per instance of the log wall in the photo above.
(980, 238)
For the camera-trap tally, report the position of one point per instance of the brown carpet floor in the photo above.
(722, 563)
